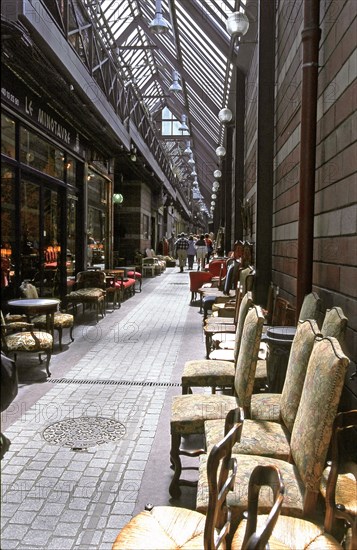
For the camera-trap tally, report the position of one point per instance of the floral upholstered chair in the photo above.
(20, 336)
(311, 307)
(340, 496)
(189, 412)
(335, 324)
(268, 431)
(309, 442)
(214, 373)
(89, 290)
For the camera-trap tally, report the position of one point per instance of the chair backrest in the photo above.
(283, 313)
(228, 282)
(221, 470)
(299, 356)
(218, 268)
(311, 433)
(245, 305)
(248, 357)
(245, 280)
(341, 463)
(90, 279)
(262, 476)
(334, 324)
(28, 291)
(311, 307)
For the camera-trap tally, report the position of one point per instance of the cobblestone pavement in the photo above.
(77, 488)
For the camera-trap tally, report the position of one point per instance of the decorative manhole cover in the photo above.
(83, 432)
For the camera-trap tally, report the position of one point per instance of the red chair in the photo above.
(197, 279)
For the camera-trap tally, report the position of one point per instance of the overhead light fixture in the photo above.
(213, 203)
(214, 196)
(215, 186)
(237, 24)
(193, 173)
(217, 174)
(188, 150)
(175, 86)
(220, 151)
(225, 115)
(191, 160)
(159, 25)
(183, 126)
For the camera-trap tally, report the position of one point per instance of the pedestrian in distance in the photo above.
(191, 252)
(181, 247)
(201, 252)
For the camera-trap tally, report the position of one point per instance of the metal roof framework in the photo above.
(200, 49)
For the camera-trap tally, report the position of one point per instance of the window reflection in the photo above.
(8, 231)
(7, 136)
(40, 154)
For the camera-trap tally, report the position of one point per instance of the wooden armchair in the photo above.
(168, 527)
(89, 290)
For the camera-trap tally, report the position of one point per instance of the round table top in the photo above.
(32, 304)
(281, 335)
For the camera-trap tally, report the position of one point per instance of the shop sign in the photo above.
(23, 100)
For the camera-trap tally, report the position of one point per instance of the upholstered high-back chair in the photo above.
(309, 442)
(335, 324)
(189, 412)
(311, 307)
(217, 372)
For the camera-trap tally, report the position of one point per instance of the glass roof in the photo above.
(198, 47)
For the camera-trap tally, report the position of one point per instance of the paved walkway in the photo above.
(62, 487)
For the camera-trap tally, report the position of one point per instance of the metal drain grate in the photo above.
(83, 432)
(114, 382)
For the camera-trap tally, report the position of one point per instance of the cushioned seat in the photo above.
(90, 289)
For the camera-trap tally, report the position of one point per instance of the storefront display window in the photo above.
(97, 219)
(30, 229)
(8, 230)
(40, 154)
(7, 136)
(71, 234)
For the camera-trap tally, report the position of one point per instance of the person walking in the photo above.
(181, 246)
(191, 252)
(201, 252)
(209, 245)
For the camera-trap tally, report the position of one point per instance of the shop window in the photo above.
(71, 233)
(71, 170)
(7, 136)
(8, 230)
(40, 154)
(30, 229)
(97, 218)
